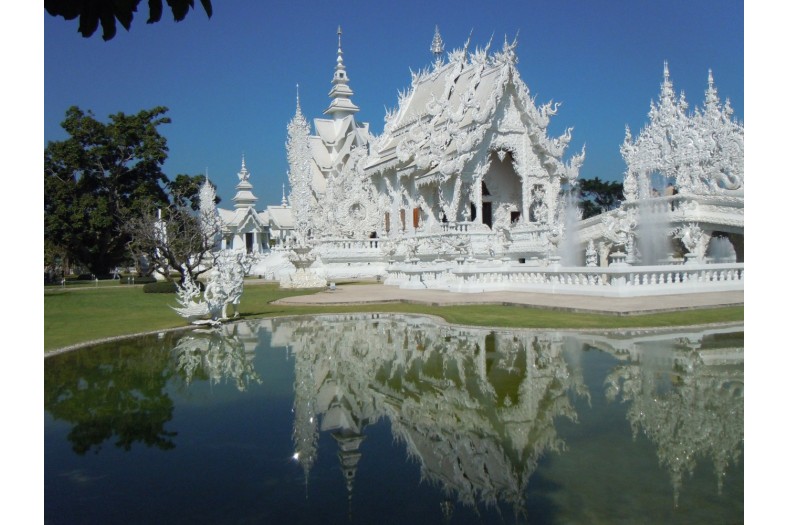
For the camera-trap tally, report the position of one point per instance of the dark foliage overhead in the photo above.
(91, 12)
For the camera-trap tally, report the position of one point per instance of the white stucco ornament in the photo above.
(223, 290)
(702, 152)
(592, 256)
(303, 257)
(694, 239)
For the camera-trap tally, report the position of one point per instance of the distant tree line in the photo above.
(100, 183)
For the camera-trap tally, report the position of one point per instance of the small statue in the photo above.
(592, 257)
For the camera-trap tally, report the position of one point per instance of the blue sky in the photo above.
(229, 81)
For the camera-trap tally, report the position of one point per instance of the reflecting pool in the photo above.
(370, 418)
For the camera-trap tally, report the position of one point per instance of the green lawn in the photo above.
(84, 314)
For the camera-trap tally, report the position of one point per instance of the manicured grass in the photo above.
(79, 315)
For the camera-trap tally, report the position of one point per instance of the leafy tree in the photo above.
(91, 12)
(99, 175)
(173, 237)
(55, 261)
(597, 196)
(185, 190)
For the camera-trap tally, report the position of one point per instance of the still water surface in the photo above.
(396, 419)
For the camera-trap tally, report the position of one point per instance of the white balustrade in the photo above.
(612, 281)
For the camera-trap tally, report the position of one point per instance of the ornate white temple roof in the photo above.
(238, 218)
(448, 110)
(243, 213)
(281, 217)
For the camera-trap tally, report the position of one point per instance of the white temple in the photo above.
(464, 190)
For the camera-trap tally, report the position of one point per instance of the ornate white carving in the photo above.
(592, 257)
(303, 257)
(349, 208)
(224, 288)
(299, 158)
(694, 239)
(454, 126)
(620, 225)
(703, 152)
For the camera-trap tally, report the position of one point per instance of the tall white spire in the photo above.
(299, 174)
(341, 105)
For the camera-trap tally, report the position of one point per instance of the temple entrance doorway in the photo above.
(501, 187)
(487, 213)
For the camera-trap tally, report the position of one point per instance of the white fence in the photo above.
(614, 281)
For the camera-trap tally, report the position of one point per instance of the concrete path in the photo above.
(378, 293)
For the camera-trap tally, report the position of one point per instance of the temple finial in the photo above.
(243, 175)
(339, 46)
(298, 100)
(284, 199)
(665, 71)
(437, 44)
(712, 100)
(341, 105)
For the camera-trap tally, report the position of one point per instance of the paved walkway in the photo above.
(378, 293)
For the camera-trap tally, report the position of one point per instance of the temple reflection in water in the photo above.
(477, 408)
(398, 419)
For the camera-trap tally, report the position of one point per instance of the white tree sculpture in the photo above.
(226, 282)
(224, 288)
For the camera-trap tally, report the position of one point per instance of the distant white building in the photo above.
(279, 220)
(243, 227)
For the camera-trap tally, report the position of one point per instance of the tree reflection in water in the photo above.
(119, 393)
